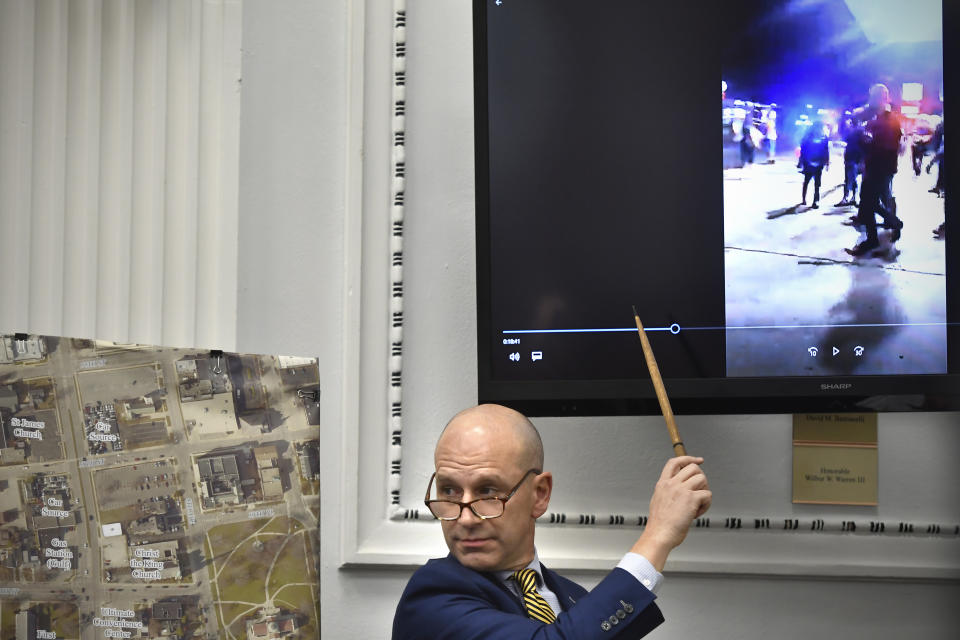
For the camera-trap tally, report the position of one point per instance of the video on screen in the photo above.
(833, 189)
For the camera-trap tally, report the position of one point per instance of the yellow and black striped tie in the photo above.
(537, 608)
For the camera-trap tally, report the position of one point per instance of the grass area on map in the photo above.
(8, 619)
(227, 537)
(309, 487)
(244, 554)
(223, 540)
(239, 627)
(291, 566)
(283, 525)
(213, 582)
(242, 579)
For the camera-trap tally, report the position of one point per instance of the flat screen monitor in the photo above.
(788, 245)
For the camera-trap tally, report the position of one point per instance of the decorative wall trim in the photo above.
(790, 524)
(397, 185)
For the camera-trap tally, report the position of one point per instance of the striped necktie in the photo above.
(537, 608)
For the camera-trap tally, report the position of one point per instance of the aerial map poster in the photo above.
(151, 492)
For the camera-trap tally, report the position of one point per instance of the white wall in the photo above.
(293, 141)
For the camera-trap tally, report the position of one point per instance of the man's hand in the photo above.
(681, 494)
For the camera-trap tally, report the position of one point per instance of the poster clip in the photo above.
(313, 395)
(218, 354)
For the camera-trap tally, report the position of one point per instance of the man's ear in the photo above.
(542, 488)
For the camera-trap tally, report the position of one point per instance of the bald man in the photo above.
(488, 490)
(881, 147)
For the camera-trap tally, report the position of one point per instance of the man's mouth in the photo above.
(473, 543)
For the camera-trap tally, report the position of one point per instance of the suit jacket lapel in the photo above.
(565, 596)
(508, 595)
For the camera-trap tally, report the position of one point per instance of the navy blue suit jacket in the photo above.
(446, 601)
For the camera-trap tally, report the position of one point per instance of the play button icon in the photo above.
(836, 351)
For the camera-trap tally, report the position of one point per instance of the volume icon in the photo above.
(515, 356)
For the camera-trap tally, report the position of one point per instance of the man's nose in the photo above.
(467, 516)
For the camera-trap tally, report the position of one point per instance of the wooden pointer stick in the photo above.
(659, 388)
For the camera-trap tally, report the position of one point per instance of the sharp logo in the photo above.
(836, 387)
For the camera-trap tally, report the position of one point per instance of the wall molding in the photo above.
(398, 173)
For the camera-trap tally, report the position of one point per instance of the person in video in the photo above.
(881, 149)
(940, 233)
(747, 144)
(937, 144)
(852, 160)
(488, 488)
(921, 143)
(771, 134)
(814, 158)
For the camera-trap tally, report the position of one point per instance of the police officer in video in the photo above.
(881, 148)
(814, 158)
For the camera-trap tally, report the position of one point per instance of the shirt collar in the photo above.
(504, 576)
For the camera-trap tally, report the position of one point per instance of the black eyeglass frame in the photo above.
(503, 499)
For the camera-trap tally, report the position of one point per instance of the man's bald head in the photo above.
(492, 453)
(496, 421)
(879, 96)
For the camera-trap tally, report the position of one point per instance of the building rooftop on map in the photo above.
(288, 362)
(145, 527)
(13, 350)
(270, 483)
(165, 552)
(212, 417)
(26, 625)
(9, 399)
(219, 466)
(219, 479)
(196, 390)
(50, 522)
(271, 627)
(141, 407)
(186, 369)
(309, 461)
(167, 610)
(46, 535)
(194, 370)
(266, 456)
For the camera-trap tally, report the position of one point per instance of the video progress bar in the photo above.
(676, 328)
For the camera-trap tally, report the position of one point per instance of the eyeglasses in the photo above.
(483, 508)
